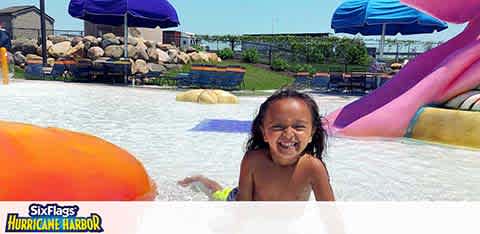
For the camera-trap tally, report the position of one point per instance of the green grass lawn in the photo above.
(19, 73)
(257, 78)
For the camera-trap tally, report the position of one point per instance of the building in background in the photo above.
(97, 30)
(183, 40)
(151, 34)
(24, 22)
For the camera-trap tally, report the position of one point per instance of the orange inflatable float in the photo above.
(52, 164)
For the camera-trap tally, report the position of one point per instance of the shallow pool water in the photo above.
(150, 124)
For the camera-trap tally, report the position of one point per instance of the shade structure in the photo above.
(382, 17)
(130, 13)
(140, 13)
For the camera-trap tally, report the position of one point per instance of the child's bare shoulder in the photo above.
(254, 157)
(254, 154)
(313, 164)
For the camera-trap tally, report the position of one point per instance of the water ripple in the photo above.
(155, 128)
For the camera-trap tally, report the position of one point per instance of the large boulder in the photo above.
(141, 66)
(142, 54)
(172, 66)
(50, 61)
(108, 36)
(95, 52)
(134, 32)
(87, 45)
(76, 40)
(19, 59)
(60, 49)
(165, 47)
(201, 57)
(213, 58)
(152, 55)
(131, 40)
(110, 41)
(57, 39)
(182, 58)
(162, 56)
(132, 52)
(25, 45)
(77, 50)
(114, 51)
(93, 40)
(172, 53)
(156, 67)
(191, 50)
(39, 49)
(33, 57)
(150, 44)
(142, 50)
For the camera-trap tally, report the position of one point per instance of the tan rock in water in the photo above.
(225, 97)
(207, 96)
(189, 96)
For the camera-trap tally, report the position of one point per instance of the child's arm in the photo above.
(245, 186)
(320, 182)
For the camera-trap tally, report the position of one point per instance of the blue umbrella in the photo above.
(130, 13)
(138, 13)
(382, 17)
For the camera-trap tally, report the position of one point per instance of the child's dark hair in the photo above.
(319, 138)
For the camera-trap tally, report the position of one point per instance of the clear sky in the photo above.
(238, 16)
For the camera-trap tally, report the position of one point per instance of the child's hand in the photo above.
(186, 182)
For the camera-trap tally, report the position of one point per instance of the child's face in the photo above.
(287, 128)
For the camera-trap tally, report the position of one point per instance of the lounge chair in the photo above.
(81, 70)
(357, 82)
(233, 77)
(337, 82)
(320, 81)
(302, 80)
(116, 70)
(34, 70)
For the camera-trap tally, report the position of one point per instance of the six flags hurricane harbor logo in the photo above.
(53, 218)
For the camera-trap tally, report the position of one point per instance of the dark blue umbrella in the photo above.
(130, 13)
(382, 17)
(138, 13)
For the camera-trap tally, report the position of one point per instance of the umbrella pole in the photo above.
(382, 41)
(125, 42)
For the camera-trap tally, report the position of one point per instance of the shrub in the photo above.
(279, 64)
(302, 68)
(199, 48)
(226, 53)
(250, 55)
(308, 68)
(295, 67)
(352, 52)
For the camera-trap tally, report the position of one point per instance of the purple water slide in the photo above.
(431, 78)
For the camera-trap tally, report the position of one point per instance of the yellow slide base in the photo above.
(453, 127)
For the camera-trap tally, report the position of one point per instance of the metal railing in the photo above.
(395, 50)
(34, 33)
